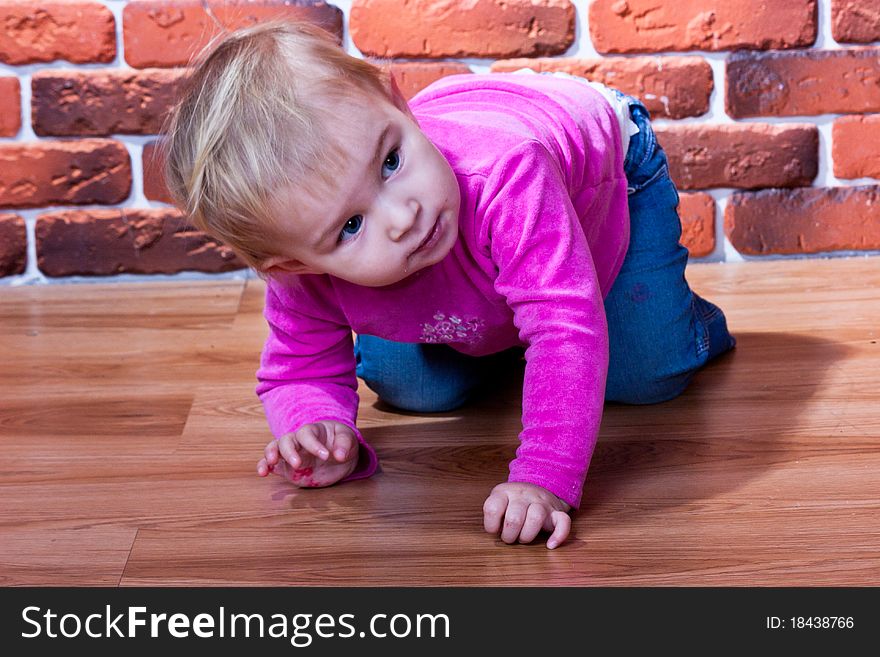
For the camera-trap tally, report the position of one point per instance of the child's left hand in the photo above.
(526, 509)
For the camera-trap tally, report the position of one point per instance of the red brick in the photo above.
(855, 21)
(855, 146)
(746, 156)
(13, 245)
(64, 173)
(670, 87)
(439, 28)
(170, 33)
(105, 242)
(810, 220)
(102, 102)
(10, 107)
(79, 32)
(803, 83)
(697, 212)
(625, 26)
(154, 177)
(412, 77)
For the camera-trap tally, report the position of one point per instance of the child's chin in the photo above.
(385, 281)
(401, 276)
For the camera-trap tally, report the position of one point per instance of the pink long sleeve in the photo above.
(307, 368)
(547, 276)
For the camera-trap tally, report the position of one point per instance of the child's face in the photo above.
(394, 190)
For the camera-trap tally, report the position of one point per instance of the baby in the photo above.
(491, 214)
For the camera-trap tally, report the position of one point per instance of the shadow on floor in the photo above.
(729, 426)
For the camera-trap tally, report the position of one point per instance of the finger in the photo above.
(263, 468)
(282, 469)
(271, 453)
(493, 512)
(562, 524)
(288, 448)
(514, 518)
(341, 442)
(534, 522)
(311, 438)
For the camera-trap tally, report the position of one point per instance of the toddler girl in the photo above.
(492, 213)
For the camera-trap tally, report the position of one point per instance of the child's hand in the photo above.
(526, 509)
(315, 455)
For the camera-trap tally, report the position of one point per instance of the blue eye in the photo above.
(354, 225)
(393, 160)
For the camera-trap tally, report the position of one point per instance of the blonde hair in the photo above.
(250, 120)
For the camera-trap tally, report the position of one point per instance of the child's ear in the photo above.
(284, 265)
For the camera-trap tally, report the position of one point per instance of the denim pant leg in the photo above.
(660, 332)
(423, 378)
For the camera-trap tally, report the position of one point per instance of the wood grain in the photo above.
(130, 431)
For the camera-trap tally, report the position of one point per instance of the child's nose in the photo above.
(403, 218)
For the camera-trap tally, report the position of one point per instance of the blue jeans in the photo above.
(660, 332)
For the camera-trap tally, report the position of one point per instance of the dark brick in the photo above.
(803, 83)
(808, 220)
(13, 245)
(99, 103)
(106, 242)
(747, 156)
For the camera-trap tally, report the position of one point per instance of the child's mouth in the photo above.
(431, 238)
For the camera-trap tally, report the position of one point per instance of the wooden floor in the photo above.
(130, 432)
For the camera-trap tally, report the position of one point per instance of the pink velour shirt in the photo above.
(543, 230)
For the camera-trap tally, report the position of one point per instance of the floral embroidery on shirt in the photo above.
(452, 329)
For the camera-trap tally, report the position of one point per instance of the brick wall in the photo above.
(769, 111)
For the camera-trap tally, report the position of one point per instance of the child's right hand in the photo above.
(315, 455)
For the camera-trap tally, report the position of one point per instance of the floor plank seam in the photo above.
(128, 557)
